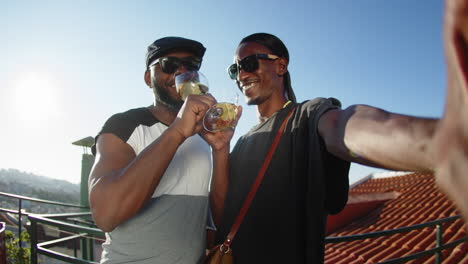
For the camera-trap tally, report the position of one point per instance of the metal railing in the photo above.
(72, 223)
(67, 221)
(81, 227)
(437, 250)
(21, 212)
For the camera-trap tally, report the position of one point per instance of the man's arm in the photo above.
(219, 183)
(220, 147)
(374, 137)
(120, 182)
(451, 140)
(425, 143)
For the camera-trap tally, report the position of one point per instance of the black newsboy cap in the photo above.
(163, 46)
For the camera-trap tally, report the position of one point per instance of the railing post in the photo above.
(33, 237)
(86, 166)
(2, 244)
(91, 249)
(84, 249)
(19, 222)
(88, 251)
(438, 243)
(75, 252)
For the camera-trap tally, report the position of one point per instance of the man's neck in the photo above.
(163, 113)
(269, 107)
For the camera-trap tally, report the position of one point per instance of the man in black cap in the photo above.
(149, 184)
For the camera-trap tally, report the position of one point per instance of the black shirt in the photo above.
(303, 183)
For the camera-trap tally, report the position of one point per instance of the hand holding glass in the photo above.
(220, 116)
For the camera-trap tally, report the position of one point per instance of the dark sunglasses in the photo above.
(170, 65)
(248, 64)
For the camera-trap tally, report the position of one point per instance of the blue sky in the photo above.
(68, 65)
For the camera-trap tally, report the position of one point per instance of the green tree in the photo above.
(15, 253)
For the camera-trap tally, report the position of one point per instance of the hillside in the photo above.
(27, 184)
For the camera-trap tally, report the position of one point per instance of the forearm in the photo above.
(391, 141)
(374, 137)
(116, 194)
(219, 183)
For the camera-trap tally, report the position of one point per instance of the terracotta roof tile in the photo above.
(418, 201)
(412, 242)
(357, 261)
(464, 260)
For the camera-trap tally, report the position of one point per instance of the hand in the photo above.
(219, 141)
(188, 120)
(451, 136)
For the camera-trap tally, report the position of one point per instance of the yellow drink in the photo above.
(186, 88)
(221, 116)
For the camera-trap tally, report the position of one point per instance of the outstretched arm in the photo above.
(374, 137)
(451, 140)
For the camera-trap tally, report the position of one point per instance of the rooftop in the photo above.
(384, 203)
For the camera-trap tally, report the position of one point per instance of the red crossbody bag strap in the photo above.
(256, 184)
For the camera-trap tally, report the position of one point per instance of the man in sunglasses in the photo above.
(149, 184)
(307, 178)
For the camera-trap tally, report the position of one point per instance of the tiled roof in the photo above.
(418, 200)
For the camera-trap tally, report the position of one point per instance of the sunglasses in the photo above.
(170, 65)
(248, 64)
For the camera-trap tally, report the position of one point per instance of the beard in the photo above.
(254, 101)
(251, 100)
(163, 97)
(260, 99)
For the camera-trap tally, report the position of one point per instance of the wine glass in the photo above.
(191, 82)
(221, 116)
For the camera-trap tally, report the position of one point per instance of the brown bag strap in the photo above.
(256, 184)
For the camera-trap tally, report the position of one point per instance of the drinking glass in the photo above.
(221, 115)
(191, 82)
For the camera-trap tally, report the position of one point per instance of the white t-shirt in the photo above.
(171, 227)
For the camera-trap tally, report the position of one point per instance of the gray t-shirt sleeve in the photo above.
(335, 169)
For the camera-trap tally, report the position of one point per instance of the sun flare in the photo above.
(34, 97)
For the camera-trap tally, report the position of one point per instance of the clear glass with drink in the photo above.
(191, 82)
(220, 116)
